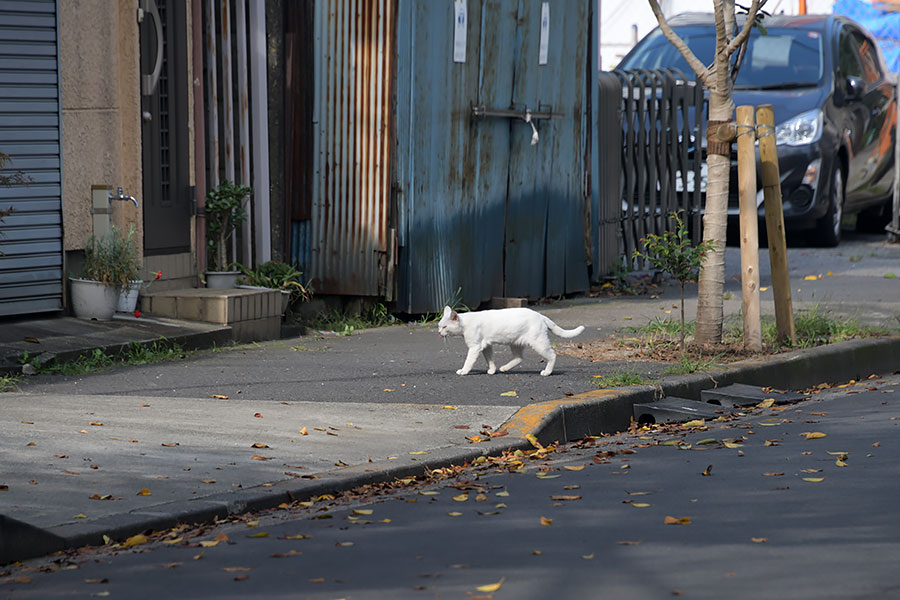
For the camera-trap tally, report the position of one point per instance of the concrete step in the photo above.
(740, 394)
(252, 314)
(674, 410)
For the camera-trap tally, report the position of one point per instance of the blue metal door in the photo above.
(481, 210)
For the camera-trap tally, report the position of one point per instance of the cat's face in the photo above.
(449, 323)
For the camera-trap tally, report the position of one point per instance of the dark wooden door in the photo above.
(164, 91)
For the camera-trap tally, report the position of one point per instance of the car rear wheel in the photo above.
(828, 229)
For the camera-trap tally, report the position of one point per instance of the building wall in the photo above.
(101, 129)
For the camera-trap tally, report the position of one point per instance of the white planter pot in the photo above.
(93, 300)
(128, 297)
(221, 280)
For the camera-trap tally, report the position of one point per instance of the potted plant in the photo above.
(279, 276)
(110, 266)
(224, 212)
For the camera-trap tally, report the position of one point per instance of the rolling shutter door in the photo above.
(31, 249)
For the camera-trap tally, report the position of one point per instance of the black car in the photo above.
(834, 106)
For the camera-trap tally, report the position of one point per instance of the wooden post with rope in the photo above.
(746, 152)
(771, 182)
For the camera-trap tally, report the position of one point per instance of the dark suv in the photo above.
(835, 113)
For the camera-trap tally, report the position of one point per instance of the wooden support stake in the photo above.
(771, 182)
(746, 136)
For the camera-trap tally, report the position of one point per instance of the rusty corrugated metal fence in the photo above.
(350, 239)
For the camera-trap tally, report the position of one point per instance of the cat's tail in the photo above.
(564, 333)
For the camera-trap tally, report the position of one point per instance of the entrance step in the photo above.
(252, 314)
(740, 394)
(674, 410)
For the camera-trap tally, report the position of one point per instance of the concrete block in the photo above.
(673, 410)
(739, 394)
(497, 302)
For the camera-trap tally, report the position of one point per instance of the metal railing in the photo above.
(656, 155)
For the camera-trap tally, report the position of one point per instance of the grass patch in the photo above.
(99, 359)
(9, 383)
(667, 327)
(688, 365)
(619, 379)
(343, 323)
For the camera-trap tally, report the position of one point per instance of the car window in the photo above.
(848, 51)
(868, 57)
(783, 56)
(789, 57)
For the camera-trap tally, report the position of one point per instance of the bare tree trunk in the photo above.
(717, 78)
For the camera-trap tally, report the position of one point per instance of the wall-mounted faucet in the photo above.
(123, 196)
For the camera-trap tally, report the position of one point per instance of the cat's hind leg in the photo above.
(517, 357)
(543, 347)
(471, 357)
(489, 357)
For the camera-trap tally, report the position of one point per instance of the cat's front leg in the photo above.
(471, 357)
(489, 357)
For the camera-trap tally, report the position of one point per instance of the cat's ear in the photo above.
(447, 311)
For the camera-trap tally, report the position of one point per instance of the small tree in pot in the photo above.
(111, 264)
(224, 212)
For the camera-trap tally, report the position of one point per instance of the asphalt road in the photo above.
(782, 502)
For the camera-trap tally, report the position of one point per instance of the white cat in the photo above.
(515, 327)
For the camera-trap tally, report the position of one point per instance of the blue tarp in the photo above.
(884, 25)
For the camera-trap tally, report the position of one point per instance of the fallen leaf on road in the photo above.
(587, 556)
(814, 435)
(772, 474)
(448, 407)
(695, 423)
(218, 396)
(259, 534)
(259, 445)
(573, 468)
(80, 516)
(135, 540)
(303, 431)
(258, 415)
(104, 580)
(462, 497)
(564, 498)
(492, 587)
(209, 481)
(544, 475)
(511, 393)
(454, 514)
(299, 536)
(171, 565)
(95, 424)
(144, 492)
(344, 544)
(810, 278)
(629, 543)
(419, 452)
(640, 504)
(170, 444)
(677, 520)
(759, 540)
(546, 522)
(258, 457)
(707, 471)
(767, 403)
(814, 479)
(172, 542)
(285, 554)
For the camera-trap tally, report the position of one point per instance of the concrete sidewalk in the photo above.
(136, 448)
